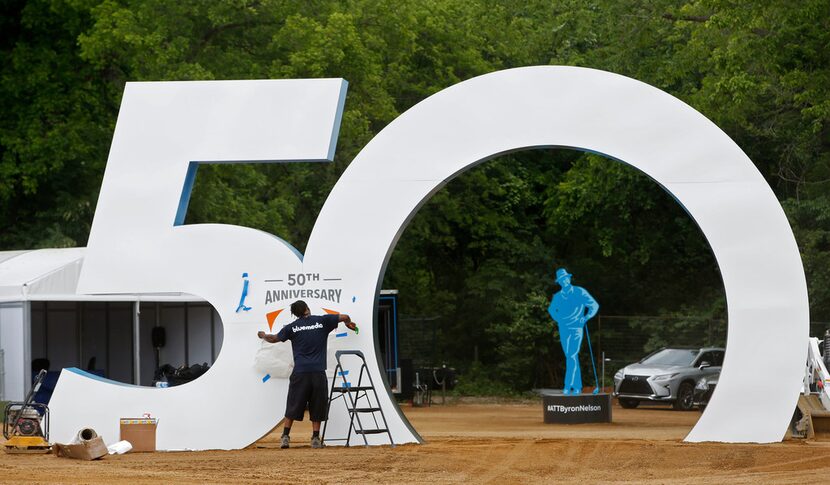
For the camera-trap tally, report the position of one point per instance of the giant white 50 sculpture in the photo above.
(166, 129)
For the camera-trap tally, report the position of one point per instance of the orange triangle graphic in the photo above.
(271, 317)
(331, 312)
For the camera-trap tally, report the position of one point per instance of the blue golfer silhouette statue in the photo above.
(571, 308)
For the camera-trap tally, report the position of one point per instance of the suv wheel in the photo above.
(629, 403)
(685, 397)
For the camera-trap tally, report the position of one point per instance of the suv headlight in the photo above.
(619, 375)
(664, 377)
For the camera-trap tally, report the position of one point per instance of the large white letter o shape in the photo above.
(626, 120)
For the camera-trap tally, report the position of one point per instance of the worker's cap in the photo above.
(562, 273)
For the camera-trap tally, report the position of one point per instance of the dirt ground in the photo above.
(470, 442)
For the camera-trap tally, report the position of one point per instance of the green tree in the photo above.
(480, 254)
(55, 128)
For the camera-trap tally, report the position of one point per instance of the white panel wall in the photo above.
(94, 336)
(120, 342)
(13, 336)
(198, 334)
(38, 329)
(147, 321)
(62, 335)
(172, 319)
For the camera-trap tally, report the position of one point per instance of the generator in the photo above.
(26, 425)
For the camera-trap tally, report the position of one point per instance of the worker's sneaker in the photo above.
(285, 441)
(316, 442)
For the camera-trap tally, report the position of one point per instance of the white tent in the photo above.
(52, 275)
(42, 315)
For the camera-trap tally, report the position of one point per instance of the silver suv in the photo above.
(668, 375)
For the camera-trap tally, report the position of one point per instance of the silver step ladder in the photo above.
(360, 398)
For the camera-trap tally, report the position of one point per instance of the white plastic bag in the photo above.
(275, 359)
(120, 447)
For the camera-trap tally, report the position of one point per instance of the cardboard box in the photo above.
(140, 432)
(87, 450)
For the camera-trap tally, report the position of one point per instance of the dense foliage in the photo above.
(480, 255)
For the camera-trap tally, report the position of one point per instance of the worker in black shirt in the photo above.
(308, 386)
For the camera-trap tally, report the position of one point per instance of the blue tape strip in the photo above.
(343, 373)
(347, 384)
(267, 376)
(341, 334)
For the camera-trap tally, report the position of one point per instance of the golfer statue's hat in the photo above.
(562, 273)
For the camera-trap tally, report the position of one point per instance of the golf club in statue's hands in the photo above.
(591, 354)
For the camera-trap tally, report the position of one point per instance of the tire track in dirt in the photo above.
(793, 465)
(498, 468)
(567, 461)
(482, 456)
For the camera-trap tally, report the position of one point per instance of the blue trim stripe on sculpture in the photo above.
(338, 117)
(184, 200)
(96, 377)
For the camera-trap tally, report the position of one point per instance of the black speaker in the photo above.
(159, 337)
(407, 379)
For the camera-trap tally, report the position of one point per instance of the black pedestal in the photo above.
(577, 408)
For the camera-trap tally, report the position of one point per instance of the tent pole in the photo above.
(27, 344)
(136, 343)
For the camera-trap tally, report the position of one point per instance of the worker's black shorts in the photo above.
(307, 390)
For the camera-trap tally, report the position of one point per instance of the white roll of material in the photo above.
(85, 434)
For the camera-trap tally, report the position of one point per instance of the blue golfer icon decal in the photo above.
(242, 305)
(571, 308)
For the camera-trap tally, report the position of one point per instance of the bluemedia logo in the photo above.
(307, 327)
